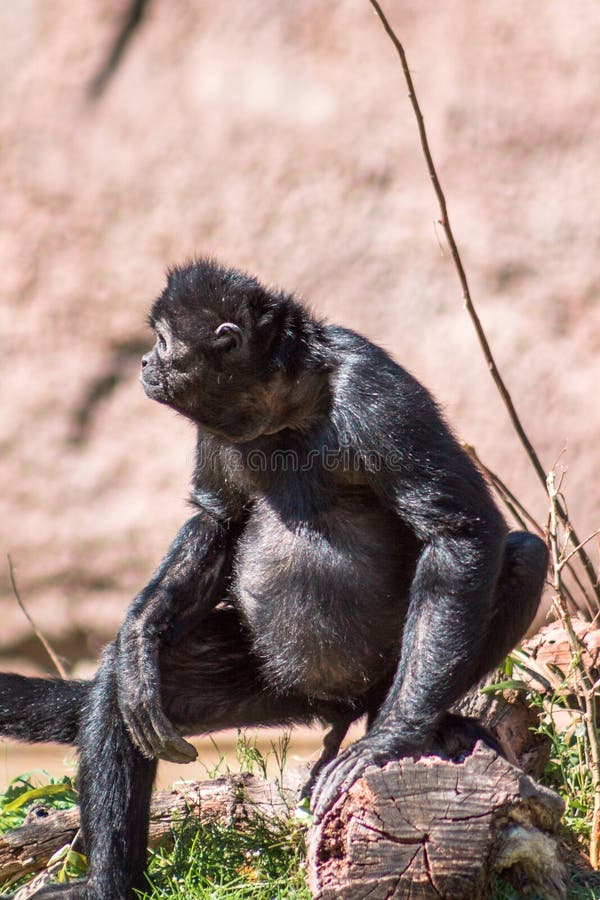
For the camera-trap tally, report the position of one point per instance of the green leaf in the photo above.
(77, 862)
(59, 854)
(512, 684)
(48, 790)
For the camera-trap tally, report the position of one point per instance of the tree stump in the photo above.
(435, 828)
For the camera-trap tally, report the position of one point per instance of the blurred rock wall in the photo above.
(277, 135)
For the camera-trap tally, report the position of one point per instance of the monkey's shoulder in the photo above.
(365, 370)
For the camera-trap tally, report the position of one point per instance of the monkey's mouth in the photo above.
(153, 389)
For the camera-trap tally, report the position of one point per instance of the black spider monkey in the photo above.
(344, 558)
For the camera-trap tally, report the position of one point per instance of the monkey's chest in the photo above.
(324, 600)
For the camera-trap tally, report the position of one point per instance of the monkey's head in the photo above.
(228, 351)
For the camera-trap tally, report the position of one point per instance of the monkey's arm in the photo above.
(190, 581)
(418, 470)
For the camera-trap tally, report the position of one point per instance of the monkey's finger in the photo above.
(153, 746)
(147, 737)
(138, 736)
(172, 753)
(169, 743)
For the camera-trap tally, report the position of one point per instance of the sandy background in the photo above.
(277, 135)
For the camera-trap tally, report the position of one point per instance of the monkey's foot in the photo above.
(375, 749)
(455, 738)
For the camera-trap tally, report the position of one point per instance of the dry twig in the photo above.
(56, 661)
(512, 503)
(483, 341)
(587, 687)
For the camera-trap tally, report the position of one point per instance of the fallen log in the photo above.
(28, 849)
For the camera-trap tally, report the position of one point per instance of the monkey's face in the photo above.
(186, 370)
(215, 331)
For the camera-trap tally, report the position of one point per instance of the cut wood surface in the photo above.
(434, 828)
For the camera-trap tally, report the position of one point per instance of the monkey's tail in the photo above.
(41, 709)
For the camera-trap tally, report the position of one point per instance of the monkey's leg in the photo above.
(487, 633)
(331, 745)
(209, 681)
(115, 783)
(517, 598)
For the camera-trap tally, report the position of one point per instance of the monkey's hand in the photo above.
(376, 748)
(140, 703)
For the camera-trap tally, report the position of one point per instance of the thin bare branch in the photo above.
(55, 660)
(576, 550)
(445, 222)
(520, 512)
(468, 302)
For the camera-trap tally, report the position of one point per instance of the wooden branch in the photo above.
(28, 849)
(434, 828)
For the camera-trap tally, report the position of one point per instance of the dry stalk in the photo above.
(468, 302)
(523, 518)
(587, 688)
(512, 503)
(55, 660)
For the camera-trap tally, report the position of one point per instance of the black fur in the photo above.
(345, 557)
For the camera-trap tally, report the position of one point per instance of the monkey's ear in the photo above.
(229, 336)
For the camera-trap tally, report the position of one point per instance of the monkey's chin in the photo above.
(153, 391)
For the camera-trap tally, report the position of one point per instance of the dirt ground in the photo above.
(277, 135)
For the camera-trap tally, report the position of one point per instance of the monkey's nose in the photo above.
(145, 360)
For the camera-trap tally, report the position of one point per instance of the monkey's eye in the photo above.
(161, 341)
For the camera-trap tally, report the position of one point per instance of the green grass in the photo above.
(261, 861)
(503, 891)
(568, 771)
